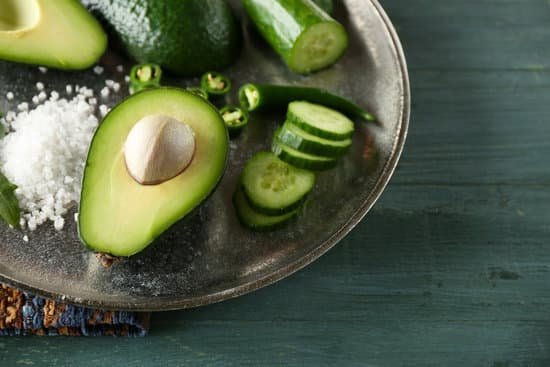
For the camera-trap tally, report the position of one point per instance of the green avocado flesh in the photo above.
(118, 215)
(185, 37)
(59, 34)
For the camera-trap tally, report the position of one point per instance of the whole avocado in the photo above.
(185, 37)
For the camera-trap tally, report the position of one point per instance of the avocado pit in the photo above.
(158, 148)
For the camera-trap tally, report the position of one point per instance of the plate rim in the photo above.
(163, 305)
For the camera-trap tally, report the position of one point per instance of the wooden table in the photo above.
(452, 266)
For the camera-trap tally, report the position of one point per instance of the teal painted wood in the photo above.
(478, 127)
(451, 268)
(473, 34)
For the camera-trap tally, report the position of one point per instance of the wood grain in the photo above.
(473, 34)
(473, 127)
(463, 281)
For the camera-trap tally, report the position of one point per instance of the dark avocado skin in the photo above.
(186, 37)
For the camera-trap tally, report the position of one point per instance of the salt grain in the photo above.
(120, 68)
(26, 238)
(43, 69)
(105, 92)
(40, 86)
(23, 106)
(98, 70)
(69, 89)
(10, 116)
(59, 223)
(103, 110)
(9, 96)
(87, 92)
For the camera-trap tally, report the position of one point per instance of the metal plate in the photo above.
(209, 257)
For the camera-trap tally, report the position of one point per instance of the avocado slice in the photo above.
(59, 34)
(185, 37)
(120, 216)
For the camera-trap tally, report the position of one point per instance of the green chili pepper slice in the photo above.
(215, 83)
(256, 97)
(235, 118)
(145, 76)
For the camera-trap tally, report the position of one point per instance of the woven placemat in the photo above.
(25, 314)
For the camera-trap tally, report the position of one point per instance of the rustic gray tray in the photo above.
(210, 257)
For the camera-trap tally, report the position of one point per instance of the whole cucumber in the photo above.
(305, 36)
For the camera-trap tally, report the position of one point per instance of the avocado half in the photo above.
(118, 215)
(55, 33)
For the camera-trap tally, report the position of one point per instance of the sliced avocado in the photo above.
(59, 34)
(185, 37)
(120, 216)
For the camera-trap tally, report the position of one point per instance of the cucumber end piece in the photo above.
(318, 47)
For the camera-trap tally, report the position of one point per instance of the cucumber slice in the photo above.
(294, 137)
(306, 37)
(254, 219)
(301, 160)
(320, 121)
(319, 46)
(274, 187)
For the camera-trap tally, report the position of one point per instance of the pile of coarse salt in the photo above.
(45, 150)
(44, 155)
